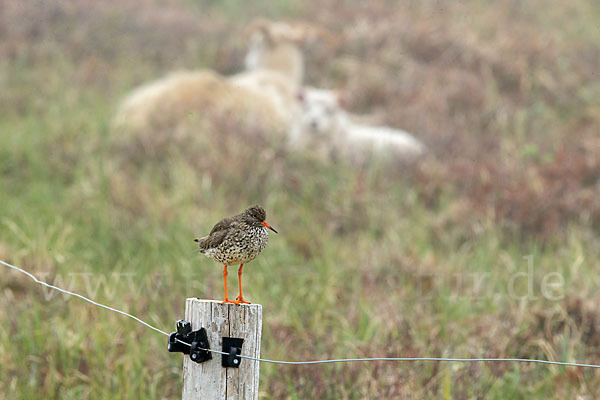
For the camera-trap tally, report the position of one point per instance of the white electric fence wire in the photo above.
(524, 360)
(81, 297)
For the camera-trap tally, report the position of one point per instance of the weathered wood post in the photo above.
(209, 380)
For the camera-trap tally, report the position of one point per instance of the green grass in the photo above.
(353, 273)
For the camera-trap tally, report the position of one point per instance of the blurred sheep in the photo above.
(324, 127)
(263, 95)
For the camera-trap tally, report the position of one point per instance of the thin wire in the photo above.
(527, 360)
(82, 297)
(524, 360)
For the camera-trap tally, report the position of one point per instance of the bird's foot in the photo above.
(230, 301)
(241, 300)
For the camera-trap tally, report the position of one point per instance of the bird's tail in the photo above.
(200, 242)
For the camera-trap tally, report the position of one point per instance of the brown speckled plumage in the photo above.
(237, 240)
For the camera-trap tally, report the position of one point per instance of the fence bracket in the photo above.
(233, 348)
(196, 342)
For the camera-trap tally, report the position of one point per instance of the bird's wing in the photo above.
(221, 225)
(214, 239)
(217, 233)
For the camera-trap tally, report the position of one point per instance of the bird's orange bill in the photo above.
(269, 226)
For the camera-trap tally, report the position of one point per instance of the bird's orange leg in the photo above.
(240, 298)
(225, 282)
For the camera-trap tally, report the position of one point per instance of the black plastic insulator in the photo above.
(186, 341)
(233, 348)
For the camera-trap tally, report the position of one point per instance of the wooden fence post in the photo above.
(209, 380)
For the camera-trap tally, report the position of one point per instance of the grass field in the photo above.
(487, 248)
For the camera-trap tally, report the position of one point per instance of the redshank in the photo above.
(237, 240)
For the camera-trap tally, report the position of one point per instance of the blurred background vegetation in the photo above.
(375, 261)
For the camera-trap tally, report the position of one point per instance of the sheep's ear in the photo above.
(341, 97)
(301, 95)
(256, 26)
(262, 27)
